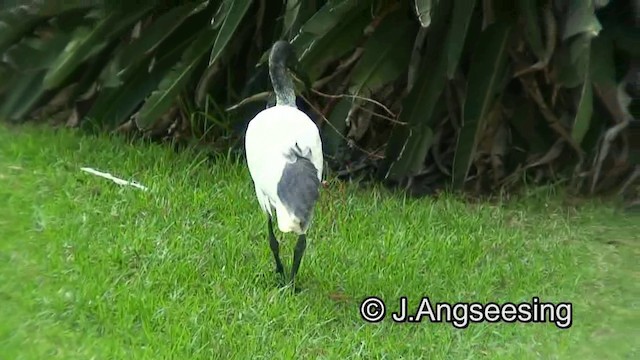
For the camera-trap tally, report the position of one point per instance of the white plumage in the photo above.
(270, 139)
(284, 156)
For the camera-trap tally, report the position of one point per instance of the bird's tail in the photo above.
(298, 191)
(281, 53)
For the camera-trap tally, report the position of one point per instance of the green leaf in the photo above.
(51, 8)
(408, 144)
(602, 62)
(487, 69)
(584, 112)
(234, 12)
(55, 8)
(588, 63)
(581, 18)
(114, 105)
(626, 38)
(600, 3)
(333, 134)
(571, 61)
(80, 48)
(602, 77)
(34, 54)
(290, 15)
(69, 21)
(385, 56)
(337, 43)
(130, 55)
(15, 22)
(417, 145)
(26, 92)
(85, 83)
(6, 77)
(461, 17)
(88, 42)
(332, 14)
(296, 13)
(161, 99)
(529, 10)
(423, 9)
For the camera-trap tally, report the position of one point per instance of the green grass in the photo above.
(90, 269)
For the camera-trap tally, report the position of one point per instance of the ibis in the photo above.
(285, 160)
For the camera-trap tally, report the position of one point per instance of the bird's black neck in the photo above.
(280, 79)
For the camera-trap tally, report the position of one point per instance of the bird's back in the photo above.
(284, 156)
(272, 134)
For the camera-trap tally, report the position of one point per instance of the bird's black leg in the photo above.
(275, 248)
(301, 245)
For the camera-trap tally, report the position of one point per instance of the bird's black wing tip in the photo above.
(298, 188)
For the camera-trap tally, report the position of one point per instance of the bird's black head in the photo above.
(282, 54)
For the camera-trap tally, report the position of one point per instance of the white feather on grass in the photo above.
(113, 178)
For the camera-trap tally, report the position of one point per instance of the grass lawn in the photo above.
(93, 270)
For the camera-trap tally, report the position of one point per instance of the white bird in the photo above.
(284, 156)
